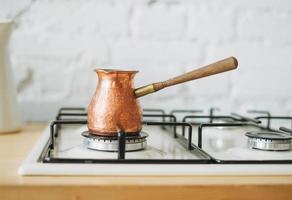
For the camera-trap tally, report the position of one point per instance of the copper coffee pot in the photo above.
(115, 105)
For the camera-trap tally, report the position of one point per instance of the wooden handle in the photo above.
(214, 68)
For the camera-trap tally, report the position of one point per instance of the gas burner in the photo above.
(269, 141)
(111, 143)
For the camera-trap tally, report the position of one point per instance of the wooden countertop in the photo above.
(14, 147)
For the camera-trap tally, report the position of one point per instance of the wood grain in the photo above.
(214, 68)
(15, 147)
(233, 192)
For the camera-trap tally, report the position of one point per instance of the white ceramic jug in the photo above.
(9, 111)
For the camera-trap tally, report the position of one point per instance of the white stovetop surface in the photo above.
(160, 146)
(225, 144)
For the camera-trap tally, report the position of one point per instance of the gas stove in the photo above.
(180, 142)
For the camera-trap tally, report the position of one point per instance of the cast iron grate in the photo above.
(235, 120)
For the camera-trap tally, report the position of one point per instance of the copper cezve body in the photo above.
(115, 107)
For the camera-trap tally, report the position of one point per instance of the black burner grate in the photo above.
(168, 121)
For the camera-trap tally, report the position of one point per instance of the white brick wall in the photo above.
(55, 45)
(159, 22)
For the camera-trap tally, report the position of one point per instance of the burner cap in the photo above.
(110, 143)
(269, 141)
(269, 135)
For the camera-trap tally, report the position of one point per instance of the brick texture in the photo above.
(55, 45)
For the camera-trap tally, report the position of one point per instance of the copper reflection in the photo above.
(114, 105)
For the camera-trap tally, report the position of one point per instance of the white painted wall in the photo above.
(55, 45)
